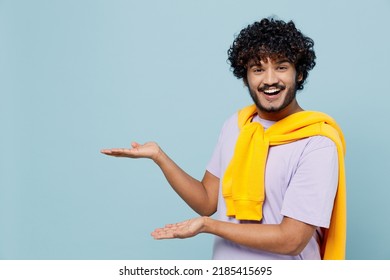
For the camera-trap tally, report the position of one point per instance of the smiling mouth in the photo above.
(273, 91)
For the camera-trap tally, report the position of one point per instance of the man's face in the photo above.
(272, 85)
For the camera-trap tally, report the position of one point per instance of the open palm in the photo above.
(186, 229)
(147, 150)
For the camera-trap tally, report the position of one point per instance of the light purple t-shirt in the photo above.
(300, 182)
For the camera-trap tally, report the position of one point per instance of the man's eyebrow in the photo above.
(254, 63)
(282, 60)
(275, 61)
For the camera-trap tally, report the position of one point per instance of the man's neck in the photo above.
(292, 108)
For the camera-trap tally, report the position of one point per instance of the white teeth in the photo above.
(271, 91)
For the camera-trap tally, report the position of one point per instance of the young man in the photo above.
(276, 178)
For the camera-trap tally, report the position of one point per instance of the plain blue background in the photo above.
(79, 76)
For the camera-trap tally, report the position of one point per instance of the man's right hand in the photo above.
(148, 150)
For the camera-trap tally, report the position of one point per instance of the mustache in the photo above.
(265, 87)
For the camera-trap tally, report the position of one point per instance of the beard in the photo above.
(289, 97)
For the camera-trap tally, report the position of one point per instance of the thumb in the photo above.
(135, 144)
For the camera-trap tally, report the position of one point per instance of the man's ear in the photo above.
(300, 77)
(245, 80)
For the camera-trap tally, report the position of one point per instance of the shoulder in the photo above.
(319, 147)
(232, 119)
(231, 123)
(319, 142)
(229, 131)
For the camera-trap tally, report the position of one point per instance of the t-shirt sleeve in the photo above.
(214, 165)
(311, 192)
(226, 136)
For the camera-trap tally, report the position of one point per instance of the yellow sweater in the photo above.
(244, 193)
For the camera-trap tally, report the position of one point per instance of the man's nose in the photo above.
(270, 78)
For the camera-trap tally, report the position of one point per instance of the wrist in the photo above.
(158, 157)
(207, 224)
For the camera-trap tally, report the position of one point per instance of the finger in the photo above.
(118, 150)
(106, 151)
(113, 152)
(123, 152)
(163, 234)
(135, 144)
(168, 229)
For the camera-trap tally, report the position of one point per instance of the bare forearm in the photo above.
(288, 238)
(191, 190)
(199, 195)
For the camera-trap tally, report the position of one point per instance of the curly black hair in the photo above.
(271, 38)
